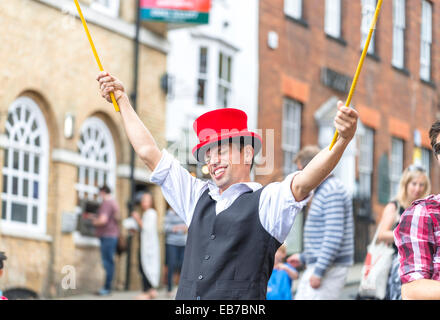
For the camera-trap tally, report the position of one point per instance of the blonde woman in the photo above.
(414, 184)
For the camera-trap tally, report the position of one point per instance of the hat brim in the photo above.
(251, 138)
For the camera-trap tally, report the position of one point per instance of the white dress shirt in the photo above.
(277, 208)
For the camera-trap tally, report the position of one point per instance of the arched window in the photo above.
(98, 164)
(25, 169)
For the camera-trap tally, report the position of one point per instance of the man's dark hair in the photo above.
(2, 258)
(434, 132)
(242, 142)
(105, 189)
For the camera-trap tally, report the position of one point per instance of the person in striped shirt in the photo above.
(418, 241)
(328, 238)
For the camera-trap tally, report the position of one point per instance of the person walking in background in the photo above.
(280, 282)
(175, 240)
(107, 230)
(2, 259)
(328, 238)
(149, 254)
(418, 243)
(414, 184)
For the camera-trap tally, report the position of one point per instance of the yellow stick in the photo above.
(359, 68)
(112, 96)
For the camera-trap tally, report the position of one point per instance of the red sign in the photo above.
(186, 5)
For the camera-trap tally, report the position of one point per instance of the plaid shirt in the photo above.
(417, 238)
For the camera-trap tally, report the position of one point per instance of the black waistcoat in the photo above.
(229, 255)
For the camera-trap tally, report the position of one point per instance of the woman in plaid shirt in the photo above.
(418, 241)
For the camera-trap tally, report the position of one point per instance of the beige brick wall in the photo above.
(49, 59)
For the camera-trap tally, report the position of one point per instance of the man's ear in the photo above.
(248, 154)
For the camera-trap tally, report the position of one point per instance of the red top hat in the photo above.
(222, 124)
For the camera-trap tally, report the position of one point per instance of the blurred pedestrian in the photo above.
(106, 223)
(175, 240)
(280, 282)
(418, 242)
(149, 254)
(2, 259)
(328, 238)
(414, 184)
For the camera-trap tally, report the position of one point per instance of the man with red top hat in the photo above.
(235, 225)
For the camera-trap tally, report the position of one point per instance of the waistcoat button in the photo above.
(200, 277)
(212, 236)
(207, 257)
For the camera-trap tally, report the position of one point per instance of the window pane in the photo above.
(14, 185)
(4, 210)
(25, 188)
(5, 183)
(203, 63)
(201, 91)
(36, 164)
(26, 162)
(18, 212)
(6, 158)
(34, 215)
(15, 160)
(35, 189)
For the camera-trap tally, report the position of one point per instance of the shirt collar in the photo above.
(237, 188)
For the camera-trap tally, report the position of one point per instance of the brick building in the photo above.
(309, 51)
(60, 140)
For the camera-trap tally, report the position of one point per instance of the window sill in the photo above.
(339, 40)
(300, 21)
(373, 56)
(24, 234)
(86, 242)
(429, 83)
(403, 71)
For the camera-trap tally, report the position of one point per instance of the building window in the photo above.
(25, 167)
(368, 10)
(203, 76)
(426, 41)
(396, 165)
(293, 8)
(426, 160)
(399, 33)
(366, 152)
(224, 80)
(291, 140)
(333, 18)
(107, 7)
(98, 164)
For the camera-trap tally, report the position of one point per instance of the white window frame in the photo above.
(29, 124)
(291, 139)
(224, 85)
(426, 41)
(426, 160)
(333, 18)
(203, 76)
(396, 164)
(366, 162)
(368, 10)
(399, 26)
(294, 9)
(107, 7)
(93, 132)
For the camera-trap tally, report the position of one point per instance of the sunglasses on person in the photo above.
(415, 167)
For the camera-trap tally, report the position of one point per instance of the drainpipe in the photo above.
(131, 202)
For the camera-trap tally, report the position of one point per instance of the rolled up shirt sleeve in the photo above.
(278, 207)
(180, 189)
(415, 241)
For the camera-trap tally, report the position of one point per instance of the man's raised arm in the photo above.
(138, 135)
(325, 161)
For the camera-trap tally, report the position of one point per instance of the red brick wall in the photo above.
(383, 94)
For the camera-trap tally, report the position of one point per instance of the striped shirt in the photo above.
(418, 239)
(328, 231)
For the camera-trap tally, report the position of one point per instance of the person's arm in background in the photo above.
(138, 135)
(415, 240)
(386, 224)
(325, 161)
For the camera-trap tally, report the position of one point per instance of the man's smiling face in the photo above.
(228, 165)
